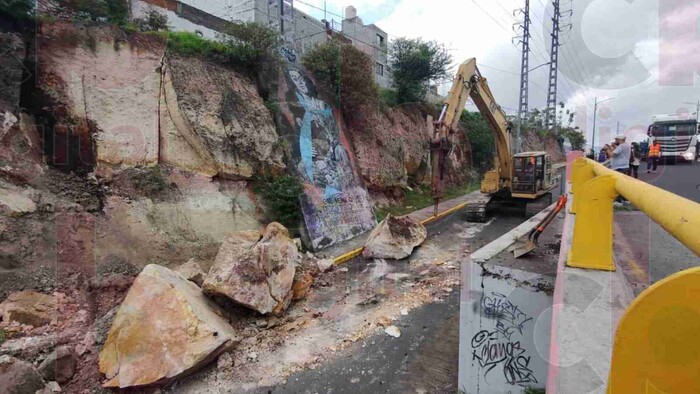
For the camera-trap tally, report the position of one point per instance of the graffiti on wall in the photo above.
(500, 350)
(335, 205)
(504, 340)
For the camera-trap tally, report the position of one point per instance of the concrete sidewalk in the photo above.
(586, 309)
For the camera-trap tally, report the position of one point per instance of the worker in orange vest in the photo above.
(653, 156)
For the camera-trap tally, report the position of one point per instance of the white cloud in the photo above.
(608, 29)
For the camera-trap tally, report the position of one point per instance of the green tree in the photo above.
(251, 40)
(481, 141)
(19, 9)
(414, 63)
(112, 11)
(153, 20)
(575, 137)
(344, 73)
(281, 196)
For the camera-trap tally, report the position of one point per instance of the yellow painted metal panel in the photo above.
(592, 244)
(656, 348)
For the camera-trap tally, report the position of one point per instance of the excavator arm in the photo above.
(470, 83)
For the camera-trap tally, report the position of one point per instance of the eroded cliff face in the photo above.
(128, 155)
(534, 141)
(393, 153)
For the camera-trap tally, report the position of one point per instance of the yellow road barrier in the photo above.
(593, 205)
(656, 346)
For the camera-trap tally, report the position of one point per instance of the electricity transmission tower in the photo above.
(524, 69)
(551, 111)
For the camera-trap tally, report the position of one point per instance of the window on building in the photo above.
(380, 40)
(380, 69)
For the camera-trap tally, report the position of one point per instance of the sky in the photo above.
(642, 54)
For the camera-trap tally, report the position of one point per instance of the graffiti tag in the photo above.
(500, 347)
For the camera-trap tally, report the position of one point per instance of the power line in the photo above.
(489, 15)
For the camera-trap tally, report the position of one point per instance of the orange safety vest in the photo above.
(655, 150)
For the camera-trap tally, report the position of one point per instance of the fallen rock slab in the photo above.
(255, 270)
(59, 365)
(394, 238)
(164, 329)
(28, 307)
(18, 377)
(192, 272)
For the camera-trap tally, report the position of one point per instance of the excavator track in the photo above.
(478, 208)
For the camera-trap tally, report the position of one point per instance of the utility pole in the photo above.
(524, 73)
(551, 111)
(618, 128)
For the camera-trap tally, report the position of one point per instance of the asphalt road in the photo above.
(645, 251)
(425, 358)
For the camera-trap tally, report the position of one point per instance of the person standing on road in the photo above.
(653, 156)
(635, 160)
(620, 160)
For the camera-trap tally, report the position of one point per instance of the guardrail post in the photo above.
(582, 172)
(656, 345)
(592, 245)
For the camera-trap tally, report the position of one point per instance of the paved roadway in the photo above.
(425, 358)
(644, 250)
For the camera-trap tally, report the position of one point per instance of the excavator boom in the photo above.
(469, 83)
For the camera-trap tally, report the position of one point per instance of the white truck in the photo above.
(678, 136)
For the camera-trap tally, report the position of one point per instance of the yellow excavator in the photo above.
(525, 178)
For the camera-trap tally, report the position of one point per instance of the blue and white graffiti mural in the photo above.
(335, 205)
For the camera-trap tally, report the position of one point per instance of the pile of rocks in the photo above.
(168, 326)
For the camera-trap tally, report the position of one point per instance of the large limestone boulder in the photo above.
(28, 307)
(394, 238)
(18, 377)
(164, 329)
(255, 270)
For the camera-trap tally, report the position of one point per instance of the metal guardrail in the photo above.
(595, 188)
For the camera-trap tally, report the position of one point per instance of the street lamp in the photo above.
(595, 113)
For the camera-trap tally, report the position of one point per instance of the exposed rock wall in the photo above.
(116, 109)
(392, 152)
(535, 141)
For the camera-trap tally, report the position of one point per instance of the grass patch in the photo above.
(3, 336)
(420, 198)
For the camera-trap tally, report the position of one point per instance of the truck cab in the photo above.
(678, 137)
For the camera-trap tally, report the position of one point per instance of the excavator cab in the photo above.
(532, 175)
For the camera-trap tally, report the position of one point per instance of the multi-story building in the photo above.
(300, 30)
(371, 40)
